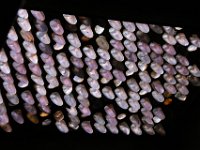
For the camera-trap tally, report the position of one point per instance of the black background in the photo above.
(183, 129)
